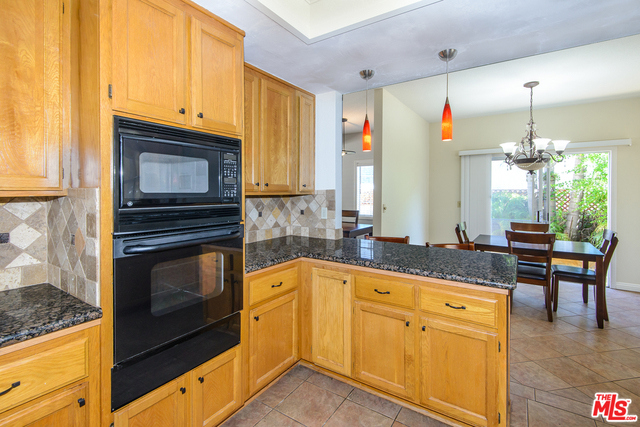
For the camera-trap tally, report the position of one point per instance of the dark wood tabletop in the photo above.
(350, 229)
(583, 251)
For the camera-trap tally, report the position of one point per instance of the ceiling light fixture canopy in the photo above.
(447, 121)
(531, 153)
(366, 129)
(345, 151)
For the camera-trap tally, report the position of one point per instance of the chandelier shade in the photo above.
(531, 153)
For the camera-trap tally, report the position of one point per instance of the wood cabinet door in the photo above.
(216, 389)
(273, 340)
(307, 141)
(251, 143)
(63, 409)
(31, 66)
(384, 349)
(217, 71)
(149, 59)
(167, 406)
(277, 151)
(331, 320)
(458, 370)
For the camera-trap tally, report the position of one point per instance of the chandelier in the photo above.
(531, 153)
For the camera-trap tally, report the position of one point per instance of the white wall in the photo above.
(402, 149)
(598, 121)
(353, 142)
(329, 147)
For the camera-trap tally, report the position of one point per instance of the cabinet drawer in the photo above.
(42, 373)
(465, 307)
(273, 284)
(385, 291)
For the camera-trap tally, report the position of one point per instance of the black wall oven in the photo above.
(178, 255)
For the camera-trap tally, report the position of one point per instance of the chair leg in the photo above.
(555, 293)
(547, 298)
(585, 293)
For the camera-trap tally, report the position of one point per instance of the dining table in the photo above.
(581, 251)
(350, 229)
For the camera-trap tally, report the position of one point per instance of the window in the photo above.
(364, 188)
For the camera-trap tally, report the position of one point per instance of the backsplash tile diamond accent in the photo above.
(291, 215)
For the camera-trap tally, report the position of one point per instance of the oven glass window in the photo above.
(166, 173)
(186, 281)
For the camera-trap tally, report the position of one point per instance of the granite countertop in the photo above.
(37, 310)
(477, 268)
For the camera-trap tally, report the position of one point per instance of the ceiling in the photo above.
(402, 45)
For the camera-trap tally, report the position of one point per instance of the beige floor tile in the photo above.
(541, 415)
(606, 366)
(328, 383)
(574, 394)
(279, 390)
(581, 308)
(413, 419)
(533, 349)
(628, 358)
(621, 319)
(595, 342)
(634, 330)
(301, 372)
(633, 385)
(533, 375)
(522, 390)
(310, 405)
(634, 408)
(276, 419)
(375, 403)
(517, 357)
(397, 424)
(570, 371)
(544, 327)
(248, 416)
(559, 402)
(518, 411)
(619, 337)
(351, 414)
(582, 322)
(561, 344)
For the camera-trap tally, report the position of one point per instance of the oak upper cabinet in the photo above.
(251, 131)
(331, 320)
(32, 64)
(384, 349)
(63, 409)
(277, 151)
(216, 389)
(273, 340)
(217, 64)
(306, 139)
(149, 59)
(459, 370)
(167, 406)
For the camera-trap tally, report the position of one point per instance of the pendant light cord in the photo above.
(366, 98)
(447, 77)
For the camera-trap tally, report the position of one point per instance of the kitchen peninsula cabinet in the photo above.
(279, 136)
(34, 95)
(175, 64)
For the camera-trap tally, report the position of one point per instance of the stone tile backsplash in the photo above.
(52, 240)
(271, 217)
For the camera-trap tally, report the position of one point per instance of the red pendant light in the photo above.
(447, 120)
(366, 129)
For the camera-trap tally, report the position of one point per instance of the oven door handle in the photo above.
(143, 249)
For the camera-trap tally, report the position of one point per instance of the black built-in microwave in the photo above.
(167, 177)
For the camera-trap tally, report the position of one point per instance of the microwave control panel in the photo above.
(230, 176)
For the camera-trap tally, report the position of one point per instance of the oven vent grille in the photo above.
(216, 215)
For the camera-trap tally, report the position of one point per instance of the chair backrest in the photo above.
(535, 227)
(350, 214)
(461, 232)
(531, 247)
(462, 246)
(609, 243)
(404, 239)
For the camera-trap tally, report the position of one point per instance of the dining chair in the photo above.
(462, 246)
(404, 239)
(534, 248)
(350, 214)
(461, 232)
(535, 227)
(584, 275)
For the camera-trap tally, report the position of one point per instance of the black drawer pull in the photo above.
(181, 111)
(81, 402)
(183, 390)
(462, 307)
(201, 380)
(383, 293)
(14, 385)
(257, 318)
(276, 286)
(200, 115)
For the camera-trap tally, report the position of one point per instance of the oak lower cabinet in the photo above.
(458, 370)
(34, 76)
(331, 320)
(273, 340)
(167, 406)
(216, 387)
(384, 348)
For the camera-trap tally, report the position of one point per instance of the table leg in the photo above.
(585, 287)
(600, 293)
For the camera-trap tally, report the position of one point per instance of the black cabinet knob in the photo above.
(257, 318)
(266, 184)
(257, 184)
(304, 185)
(181, 111)
(183, 390)
(200, 115)
(81, 402)
(201, 380)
